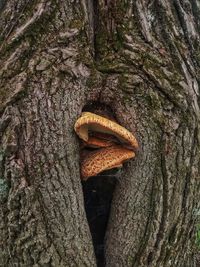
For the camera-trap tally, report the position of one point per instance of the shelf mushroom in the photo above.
(104, 159)
(114, 144)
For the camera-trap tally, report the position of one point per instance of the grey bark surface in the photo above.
(141, 58)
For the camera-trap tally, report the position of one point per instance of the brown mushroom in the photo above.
(95, 123)
(104, 159)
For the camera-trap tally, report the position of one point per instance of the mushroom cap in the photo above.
(95, 123)
(104, 159)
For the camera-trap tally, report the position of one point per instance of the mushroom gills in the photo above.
(98, 140)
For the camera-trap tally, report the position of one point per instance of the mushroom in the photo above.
(114, 144)
(104, 159)
(93, 122)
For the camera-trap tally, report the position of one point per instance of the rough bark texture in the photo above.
(141, 58)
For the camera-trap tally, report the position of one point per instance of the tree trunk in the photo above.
(140, 59)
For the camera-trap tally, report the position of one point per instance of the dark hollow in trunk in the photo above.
(98, 193)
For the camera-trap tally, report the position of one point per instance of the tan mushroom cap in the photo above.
(92, 122)
(104, 159)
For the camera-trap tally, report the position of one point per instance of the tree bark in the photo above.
(140, 58)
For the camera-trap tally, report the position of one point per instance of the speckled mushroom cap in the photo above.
(104, 159)
(93, 122)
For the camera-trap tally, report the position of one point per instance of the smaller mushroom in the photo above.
(104, 159)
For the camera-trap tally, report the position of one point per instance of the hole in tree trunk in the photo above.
(98, 192)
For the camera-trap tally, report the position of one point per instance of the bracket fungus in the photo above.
(112, 144)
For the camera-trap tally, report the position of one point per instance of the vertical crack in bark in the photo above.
(96, 26)
(93, 15)
(165, 210)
